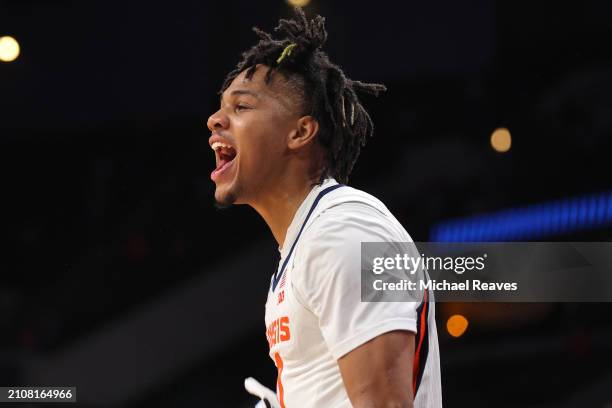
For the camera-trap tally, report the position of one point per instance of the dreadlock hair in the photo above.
(332, 98)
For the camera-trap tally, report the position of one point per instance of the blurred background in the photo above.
(118, 275)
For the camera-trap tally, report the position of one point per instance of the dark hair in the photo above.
(344, 124)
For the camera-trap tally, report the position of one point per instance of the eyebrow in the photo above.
(241, 92)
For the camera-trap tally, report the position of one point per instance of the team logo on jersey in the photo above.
(281, 297)
(278, 331)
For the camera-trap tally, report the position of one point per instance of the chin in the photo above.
(224, 197)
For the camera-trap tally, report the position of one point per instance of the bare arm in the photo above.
(379, 373)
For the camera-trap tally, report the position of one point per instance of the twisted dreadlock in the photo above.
(344, 124)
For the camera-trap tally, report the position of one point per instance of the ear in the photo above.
(306, 129)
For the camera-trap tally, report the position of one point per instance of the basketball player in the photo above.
(288, 130)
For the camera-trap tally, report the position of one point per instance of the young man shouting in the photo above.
(288, 130)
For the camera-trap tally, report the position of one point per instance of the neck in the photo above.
(280, 203)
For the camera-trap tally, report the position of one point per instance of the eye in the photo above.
(239, 107)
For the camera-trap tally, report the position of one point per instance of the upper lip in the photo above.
(216, 137)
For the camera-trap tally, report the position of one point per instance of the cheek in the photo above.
(261, 147)
(261, 159)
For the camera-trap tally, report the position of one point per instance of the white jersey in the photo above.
(314, 313)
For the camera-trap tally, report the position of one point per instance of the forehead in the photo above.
(277, 88)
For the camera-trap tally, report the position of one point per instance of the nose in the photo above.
(217, 121)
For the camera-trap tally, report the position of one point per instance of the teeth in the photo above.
(218, 145)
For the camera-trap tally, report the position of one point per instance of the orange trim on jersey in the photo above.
(279, 384)
(422, 330)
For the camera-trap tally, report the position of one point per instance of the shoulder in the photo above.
(327, 274)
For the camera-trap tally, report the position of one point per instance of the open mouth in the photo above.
(225, 155)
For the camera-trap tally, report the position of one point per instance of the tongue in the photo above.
(222, 162)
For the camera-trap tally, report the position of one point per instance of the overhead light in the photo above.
(501, 140)
(456, 325)
(298, 3)
(9, 49)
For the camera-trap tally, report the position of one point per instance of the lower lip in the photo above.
(216, 173)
